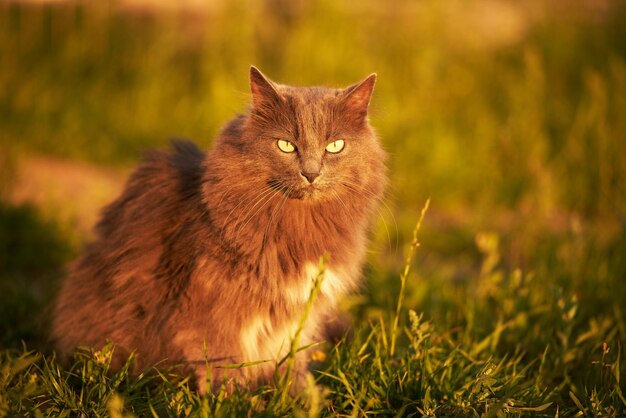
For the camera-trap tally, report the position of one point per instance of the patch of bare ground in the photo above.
(72, 192)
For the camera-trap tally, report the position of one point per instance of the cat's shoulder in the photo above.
(182, 160)
(181, 154)
(168, 176)
(185, 152)
(186, 157)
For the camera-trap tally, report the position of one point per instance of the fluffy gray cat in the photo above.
(209, 257)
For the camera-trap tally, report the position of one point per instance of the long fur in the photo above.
(210, 256)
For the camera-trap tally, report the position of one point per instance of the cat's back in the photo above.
(167, 182)
(111, 287)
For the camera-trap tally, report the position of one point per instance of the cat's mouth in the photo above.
(307, 192)
(298, 192)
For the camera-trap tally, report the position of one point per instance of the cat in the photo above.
(208, 258)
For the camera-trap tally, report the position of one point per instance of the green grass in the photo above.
(436, 372)
(509, 117)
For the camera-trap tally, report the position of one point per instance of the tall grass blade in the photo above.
(404, 276)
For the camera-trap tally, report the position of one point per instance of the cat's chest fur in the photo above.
(258, 320)
(334, 284)
(266, 337)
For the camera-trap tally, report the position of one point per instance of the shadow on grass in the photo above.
(33, 253)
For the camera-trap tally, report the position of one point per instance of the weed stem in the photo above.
(405, 274)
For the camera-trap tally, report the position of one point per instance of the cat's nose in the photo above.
(310, 176)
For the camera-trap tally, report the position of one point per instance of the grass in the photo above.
(437, 372)
(514, 301)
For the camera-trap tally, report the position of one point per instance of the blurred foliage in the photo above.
(508, 115)
(33, 253)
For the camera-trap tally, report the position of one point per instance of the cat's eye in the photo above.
(335, 146)
(286, 146)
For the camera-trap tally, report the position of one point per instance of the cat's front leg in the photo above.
(337, 326)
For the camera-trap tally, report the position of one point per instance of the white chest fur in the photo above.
(261, 340)
(333, 285)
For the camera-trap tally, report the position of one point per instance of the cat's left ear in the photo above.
(357, 98)
(263, 89)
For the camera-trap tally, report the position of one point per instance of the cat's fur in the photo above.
(211, 256)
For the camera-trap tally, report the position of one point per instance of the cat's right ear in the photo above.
(263, 89)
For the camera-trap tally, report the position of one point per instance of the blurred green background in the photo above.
(510, 116)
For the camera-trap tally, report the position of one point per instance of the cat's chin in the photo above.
(308, 194)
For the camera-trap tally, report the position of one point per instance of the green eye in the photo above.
(286, 146)
(335, 146)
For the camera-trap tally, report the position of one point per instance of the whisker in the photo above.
(347, 181)
(266, 199)
(360, 189)
(345, 208)
(243, 201)
(278, 207)
(226, 193)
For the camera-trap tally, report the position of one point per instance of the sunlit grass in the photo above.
(558, 367)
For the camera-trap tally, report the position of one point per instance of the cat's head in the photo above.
(311, 143)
